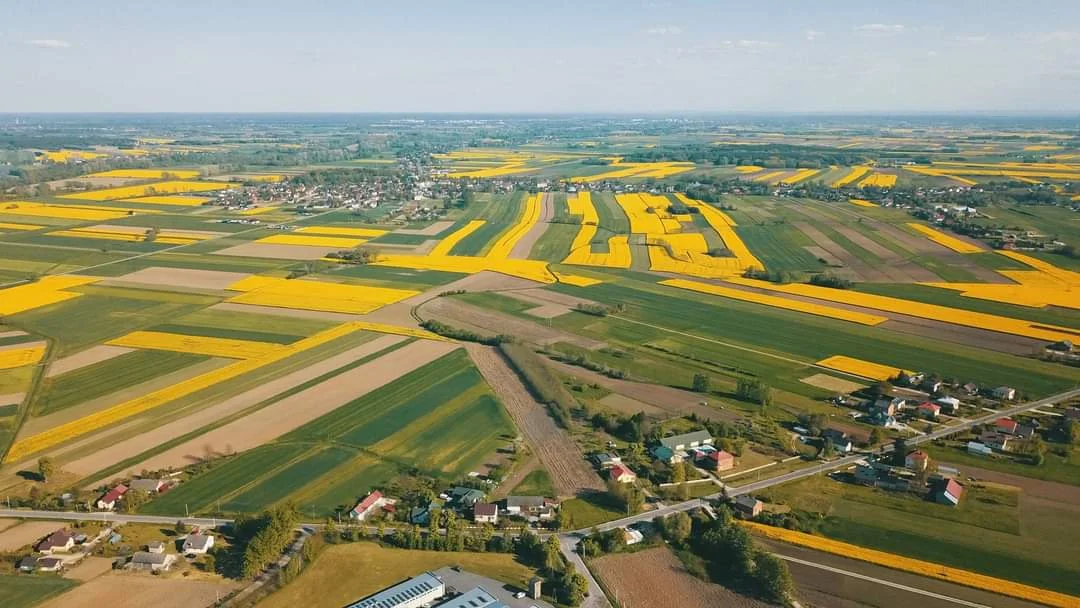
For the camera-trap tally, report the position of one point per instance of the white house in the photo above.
(198, 544)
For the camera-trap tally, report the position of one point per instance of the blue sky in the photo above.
(540, 56)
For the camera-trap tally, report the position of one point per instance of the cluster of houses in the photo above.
(112, 498)
(1005, 434)
(943, 487)
(64, 547)
(695, 447)
(468, 502)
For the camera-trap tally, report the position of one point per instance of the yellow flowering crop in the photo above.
(179, 201)
(257, 210)
(19, 356)
(748, 168)
(771, 177)
(367, 233)
(172, 187)
(312, 241)
(640, 211)
(20, 227)
(67, 212)
(854, 174)
(618, 254)
(530, 216)
(636, 170)
(315, 295)
(881, 180)
(88, 424)
(907, 564)
(576, 280)
(945, 240)
(63, 156)
(48, 290)
(858, 202)
(801, 175)
(197, 345)
(1045, 285)
(533, 270)
(148, 173)
(451, 240)
(858, 367)
(777, 302)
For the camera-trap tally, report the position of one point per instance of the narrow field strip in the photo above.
(148, 173)
(366, 233)
(530, 216)
(315, 295)
(945, 240)
(20, 355)
(169, 187)
(445, 245)
(860, 368)
(48, 290)
(197, 345)
(855, 174)
(67, 212)
(618, 253)
(777, 302)
(312, 241)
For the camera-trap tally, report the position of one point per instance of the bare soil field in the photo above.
(27, 533)
(7, 523)
(94, 182)
(1035, 488)
(21, 345)
(276, 252)
(14, 333)
(821, 254)
(12, 399)
(143, 229)
(89, 568)
(287, 312)
(135, 590)
(295, 410)
(543, 296)
(37, 424)
(182, 277)
(832, 383)
(571, 474)
(898, 267)
(862, 272)
(548, 311)
(83, 358)
(431, 230)
(145, 441)
(490, 322)
(629, 405)
(655, 577)
(666, 398)
(524, 246)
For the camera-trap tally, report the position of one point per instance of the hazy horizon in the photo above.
(685, 57)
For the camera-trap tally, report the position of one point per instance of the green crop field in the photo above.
(272, 488)
(613, 219)
(26, 590)
(500, 212)
(536, 483)
(779, 247)
(109, 376)
(388, 276)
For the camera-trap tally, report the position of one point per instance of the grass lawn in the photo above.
(586, 512)
(332, 580)
(536, 483)
(1054, 468)
(26, 590)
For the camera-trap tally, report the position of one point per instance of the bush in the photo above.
(544, 385)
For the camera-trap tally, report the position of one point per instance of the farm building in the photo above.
(477, 597)
(198, 543)
(421, 590)
(368, 505)
(748, 506)
(485, 513)
(61, 540)
(622, 474)
(719, 460)
(1005, 393)
(108, 500)
(152, 562)
(149, 486)
(949, 492)
(686, 441)
(979, 449)
(949, 405)
(27, 564)
(535, 508)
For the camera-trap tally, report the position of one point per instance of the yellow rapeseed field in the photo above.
(367, 233)
(196, 345)
(749, 168)
(801, 175)
(771, 177)
(880, 180)
(956, 316)
(1044, 285)
(19, 227)
(507, 169)
(851, 177)
(257, 210)
(915, 566)
(639, 209)
(618, 254)
(315, 295)
(19, 356)
(858, 202)
(148, 173)
(576, 280)
(48, 290)
(530, 217)
(622, 170)
(311, 241)
(451, 240)
(67, 212)
(171, 187)
(858, 367)
(178, 201)
(945, 240)
(533, 270)
(164, 237)
(777, 302)
(63, 156)
(122, 411)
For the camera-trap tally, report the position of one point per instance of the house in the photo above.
(949, 493)
(748, 506)
(866, 474)
(421, 515)
(979, 449)
(606, 461)
(152, 562)
(368, 505)
(971, 388)
(880, 418)
(890, 406)
(532, 507)
(61, 540)
(996, 441)
(917, 460)
(622, 474)
(198, 544)
(50, 564)
(668, 455)
(685, 441)
(841, 441)
(108, 500)
(155, 546)
(1073, 413)
(950, 405)
(1005, 393)
(149, 486)
(632, 536)
(485, 513)
(462, 497)
(928, 410)
(719, 460)
(1014, 428)
(933, 386)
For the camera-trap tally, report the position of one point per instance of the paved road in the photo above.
(202, 522)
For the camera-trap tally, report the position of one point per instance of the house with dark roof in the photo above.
(748, 506)
(50, 564)
(485, 513)
(841, 441)
(61, 540)
(152, 562)
(461, 497)
(1005, 393)
(149, 486)
(198, 544)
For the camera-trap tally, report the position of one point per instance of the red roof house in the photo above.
(720, 460)
(1007, 425)
(107, 502)
(950, 493)
(370, 502)
(928, 410)
(622, 474)
(917, 460)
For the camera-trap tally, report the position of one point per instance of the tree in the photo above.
(678, 526)
(180, 527)
(827, 450)
(772, 578)
(702, 383)
(553, 559)
(209, 563)
(46, 468)
(678, 472)
(876, 435)
(133, 500)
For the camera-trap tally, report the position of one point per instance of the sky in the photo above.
(547, 56)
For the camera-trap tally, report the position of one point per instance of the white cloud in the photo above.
(671, 30)
(812, 35)
(880, 29)
(752, 45)
(1057, 37)
(49, 43)
(970, 39)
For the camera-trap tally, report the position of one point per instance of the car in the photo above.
(519, 594)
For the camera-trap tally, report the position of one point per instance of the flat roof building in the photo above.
(418, 591)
